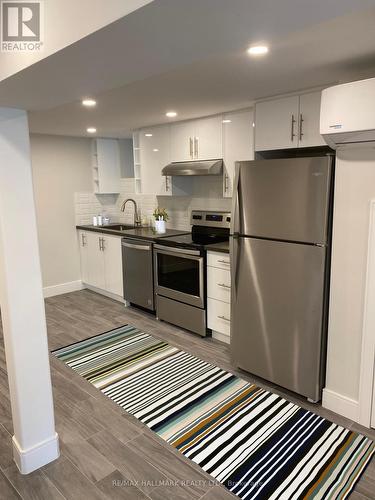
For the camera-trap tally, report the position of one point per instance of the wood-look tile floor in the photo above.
(106, 453)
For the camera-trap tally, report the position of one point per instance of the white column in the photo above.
(35, 441)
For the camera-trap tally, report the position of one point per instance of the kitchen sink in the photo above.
(118, 227)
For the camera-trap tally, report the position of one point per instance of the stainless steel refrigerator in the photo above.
(280, 252)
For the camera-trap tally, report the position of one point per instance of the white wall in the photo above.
(61, 166)
(354, 188)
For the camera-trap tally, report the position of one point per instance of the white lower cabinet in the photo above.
(95, 260)
(218, 295)
(113, 264)
(218, 318)
(84, 254)
(101, 261)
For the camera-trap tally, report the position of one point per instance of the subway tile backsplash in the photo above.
(206, 195)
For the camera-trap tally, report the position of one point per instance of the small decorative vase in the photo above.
(160, 226)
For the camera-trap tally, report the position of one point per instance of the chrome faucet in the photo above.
(137, 219)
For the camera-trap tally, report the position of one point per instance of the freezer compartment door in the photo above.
(277, 312)
(285, 199)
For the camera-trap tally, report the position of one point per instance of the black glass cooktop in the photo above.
(198, 238)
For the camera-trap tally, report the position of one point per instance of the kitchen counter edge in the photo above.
(218, 247)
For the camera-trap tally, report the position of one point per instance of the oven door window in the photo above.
(179, 273)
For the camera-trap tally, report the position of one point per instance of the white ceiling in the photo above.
(65, 22)
(189, 55)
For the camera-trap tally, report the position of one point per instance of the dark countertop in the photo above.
(219, 247)
(143, 233)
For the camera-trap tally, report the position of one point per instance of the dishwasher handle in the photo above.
(146, 248)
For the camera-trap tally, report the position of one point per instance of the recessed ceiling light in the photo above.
(148, 135)
(155, 150)
(226, 120)
(257, 50)
(91, 130)
(89, 102)
(171, 114)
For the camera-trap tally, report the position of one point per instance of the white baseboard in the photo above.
(72, 286)
(104, 292)
(33, 458)
(221, 336)
(340, 404)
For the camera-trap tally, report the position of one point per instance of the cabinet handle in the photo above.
(224, 261)
(301, 120)
(103, 246)
(223, 285)
(83, 238)
(196, 147)
(100, 244)
(292, 134)
(191, 147)
(226, 178)
(224, 318)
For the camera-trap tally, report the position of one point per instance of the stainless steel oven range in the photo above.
(180, 271)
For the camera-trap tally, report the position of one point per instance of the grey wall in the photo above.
(61, 167)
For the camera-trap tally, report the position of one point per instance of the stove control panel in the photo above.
(210, 218)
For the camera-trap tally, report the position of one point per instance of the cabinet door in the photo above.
(182, 138)
(309, 118)
(95, 260)
(113, 264)
(238, 142)
(83, 250)
(276, 124)
(108, 163)
(155, 143)
(208, 140)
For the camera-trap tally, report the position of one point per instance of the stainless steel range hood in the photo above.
(205, 167)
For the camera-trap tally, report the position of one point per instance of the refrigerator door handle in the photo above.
(233, 267)
(235, 223)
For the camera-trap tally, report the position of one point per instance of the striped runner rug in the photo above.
(254, 442)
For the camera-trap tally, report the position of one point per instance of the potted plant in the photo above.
(161, 216)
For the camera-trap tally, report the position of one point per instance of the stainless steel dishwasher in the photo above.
(138, 276)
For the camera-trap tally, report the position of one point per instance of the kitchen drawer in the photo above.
(218, 259)
(218, 284)
(218, 316)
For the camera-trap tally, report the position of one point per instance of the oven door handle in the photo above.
(173, 250)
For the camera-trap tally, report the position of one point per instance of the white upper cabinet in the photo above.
(106, 166)
(208, 139)
(182, 141)
(197, 139)
(276, 124)
(155, 147)
(288, 122)
(155, 144)
(309, 118)
(238, 144)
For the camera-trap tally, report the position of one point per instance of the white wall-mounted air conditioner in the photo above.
(347, 113)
